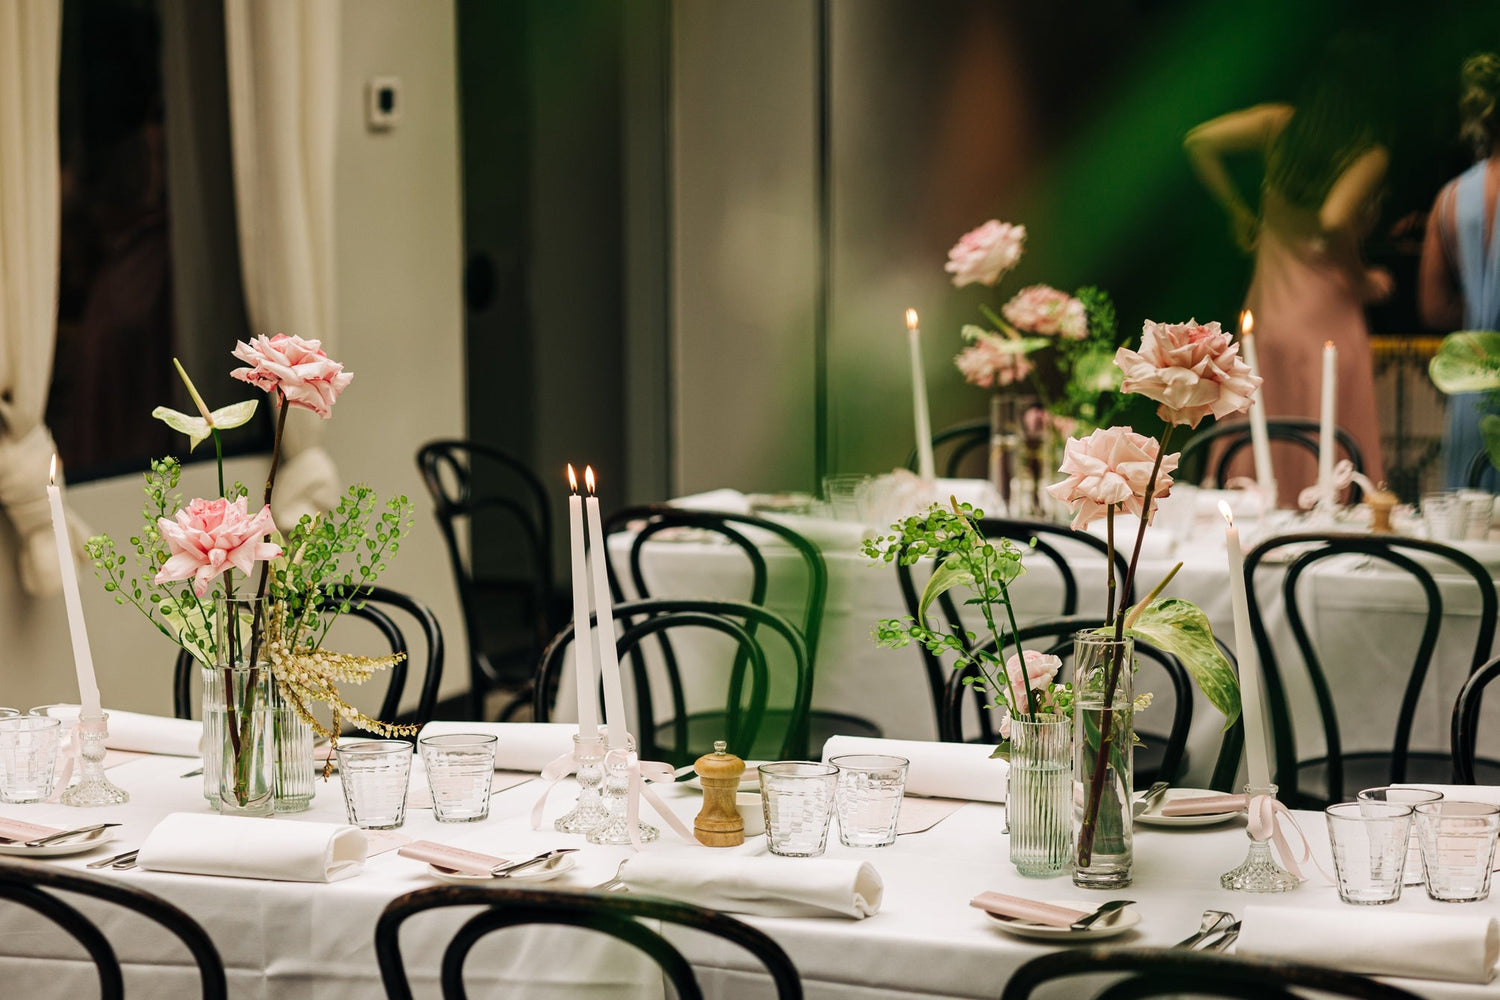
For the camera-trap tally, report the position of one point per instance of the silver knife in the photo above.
(1084, 923)
(1146, 801)
(67, 834)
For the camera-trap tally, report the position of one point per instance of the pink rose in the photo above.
(992, 362)
(1040, 669)
(208, 537)
(1044, 310)
(982, 255)
(1192, 370)
(296, 367)
(1109, 467)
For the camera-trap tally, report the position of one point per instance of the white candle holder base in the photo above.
(589, 813)
(1259, 872)
(92, 787)
(616, 827)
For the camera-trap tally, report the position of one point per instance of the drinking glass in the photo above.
(1445, 516)
(797, 797)
(8, 713)
(375, 774)
(1477, 506)
(1411, 797)
(1458, 848)
(1369, 849)
(28, 757)
(869, 798)
(844, 494)
(460, 767)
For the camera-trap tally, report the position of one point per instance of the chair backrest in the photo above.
(616, 914)
(1465, 727)
(749, 680)
(1396, 553)
(1300, 431)
(1160, 972)
(961, 440)
(1055, 637)
(498, 497)
(1479, 465)
(370, 604)
(1047, 537)
(36, 887)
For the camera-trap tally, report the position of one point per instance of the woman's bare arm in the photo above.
(1352, 195)
(1439, 300)
(1249, 131)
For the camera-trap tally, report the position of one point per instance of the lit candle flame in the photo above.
(911, 319)
(588, 478)
(1327, 345)
(1247, 322)
(572, 478)
(1228, 514)
(52, 471)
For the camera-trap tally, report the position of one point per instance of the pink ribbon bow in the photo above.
(1343, 475)
(1266, 815)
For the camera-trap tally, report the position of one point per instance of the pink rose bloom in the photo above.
(992, 362)
(1192, 370)
(1044, 310)
(1109, 467)
(1040, 670)
(982, 255)
(297, 367)
(208, 537)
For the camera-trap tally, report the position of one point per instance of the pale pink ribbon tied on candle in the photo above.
(67, 756)
(553, 771)
(1343, 475)
(1266, 816)
(641, 772)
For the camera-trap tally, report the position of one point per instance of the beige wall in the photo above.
(401, 333)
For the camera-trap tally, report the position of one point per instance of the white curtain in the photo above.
(283, 111)
(30, 38)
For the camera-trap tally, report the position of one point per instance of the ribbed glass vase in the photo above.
(1039, 801)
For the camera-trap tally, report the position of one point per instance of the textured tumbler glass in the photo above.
(869, 798)
(460, 767)
(28, 757)
(375, 774)
(1458, 848)
(1369, 849)
(797, 797)
(1412, 797)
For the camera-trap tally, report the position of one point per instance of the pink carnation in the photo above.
(1192, 370)
(1044, 310)
(983, 255)
(992, 362)
(1041, 668)
(297, 368)
(1110, 467)
(208, 537)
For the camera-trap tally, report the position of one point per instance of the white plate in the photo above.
(1107, 926)
(1153, 816)
(749, 781)
(541, 873)
(78, 846)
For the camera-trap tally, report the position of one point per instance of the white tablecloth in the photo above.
(290, 940)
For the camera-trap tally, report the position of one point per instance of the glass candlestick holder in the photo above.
(616, 827)
(589, 813)
(92, 787)
(1259, 872)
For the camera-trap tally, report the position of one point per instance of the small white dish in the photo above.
(1108, 926)
(78, 845)
(749, 781)
(1153, 816)
(541, 873)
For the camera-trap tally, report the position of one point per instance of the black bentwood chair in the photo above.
(37, 887)
(1235, 436)
(373, 605)
(1315, 782)
(1465, 730)
(1162, 972)
(617, 915)
(961, 440)
(753, 729)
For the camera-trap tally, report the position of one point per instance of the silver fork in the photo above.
(1213, 920)
(1226, 939)
(615, 882)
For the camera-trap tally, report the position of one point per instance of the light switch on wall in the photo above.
(383, 103)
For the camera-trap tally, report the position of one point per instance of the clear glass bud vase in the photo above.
(1103, 759)
(239, 734)
(1039, 801)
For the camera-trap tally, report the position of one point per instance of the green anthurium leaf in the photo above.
(196, 428)
(1489, 429)
(234, 415)
(194, 635)
(1181, 629)
(1467, 361)
(950, 573)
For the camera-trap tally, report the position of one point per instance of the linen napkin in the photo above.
(1456, 947)
(248, 847)
(519, 746)
(447, 856)
(1027, 909)
(143, 733)
(759, 885)
(1204, 805)
(938, 770)
(19, 830)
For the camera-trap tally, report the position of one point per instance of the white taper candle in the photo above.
(609, 658)
(1252, 708)
(1260, 438)
(83, 659)
(1326, 424)
(583, 635)
(921, 418)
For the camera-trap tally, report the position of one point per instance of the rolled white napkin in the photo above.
(143, 733)
(519, 746)
(246, 847)
(726, 500)
(1456, 947)
(939, 770)
(759, 885)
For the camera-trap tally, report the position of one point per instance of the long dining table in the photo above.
(316, 940)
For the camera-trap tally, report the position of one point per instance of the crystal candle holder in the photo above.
(92, 787)
(1259, 872)
(589, 813)
(616, 826)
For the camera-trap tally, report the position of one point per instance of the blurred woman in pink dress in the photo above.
(1325, 162)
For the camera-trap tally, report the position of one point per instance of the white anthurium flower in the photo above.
(198, 428)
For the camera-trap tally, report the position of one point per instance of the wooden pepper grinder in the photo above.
(719, 823)
(1381, 503)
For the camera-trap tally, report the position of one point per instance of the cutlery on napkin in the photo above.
(1205, 805)
(17, 830)
(760, 885)
(250, 847)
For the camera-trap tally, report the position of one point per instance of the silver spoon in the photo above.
(1213, 920)
(616, 881)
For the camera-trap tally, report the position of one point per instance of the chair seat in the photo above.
(1371, 770)
(706, 727)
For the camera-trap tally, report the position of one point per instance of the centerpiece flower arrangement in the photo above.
(254, 607)
(1191, 371)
